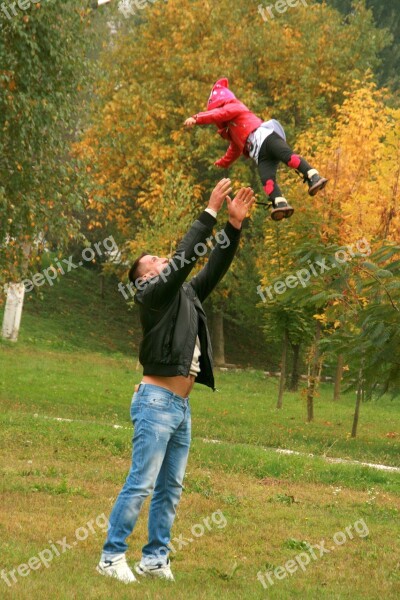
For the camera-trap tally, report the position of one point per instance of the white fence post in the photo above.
(13, 311)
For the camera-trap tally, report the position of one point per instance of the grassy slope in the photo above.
(79, 363)
(73, 316)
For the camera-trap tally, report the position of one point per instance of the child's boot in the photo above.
(281, 209)
(315, 182)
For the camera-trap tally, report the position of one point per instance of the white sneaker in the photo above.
(117, 568)
(161, 571)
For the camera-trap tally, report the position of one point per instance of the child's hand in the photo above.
(221, 163)
(190, 122)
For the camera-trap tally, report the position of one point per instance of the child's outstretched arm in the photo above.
(231, 155)
(216, 115)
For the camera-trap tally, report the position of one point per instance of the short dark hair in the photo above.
(134, 270)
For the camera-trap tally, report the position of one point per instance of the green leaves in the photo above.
(371, 337)
(43, 71)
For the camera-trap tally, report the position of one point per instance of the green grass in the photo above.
(96, 386)
(74, 362)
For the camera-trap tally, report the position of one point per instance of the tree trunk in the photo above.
(338, 377)
(294, 381)
(13, 311)
(217, 337)
(102, 285)
(359, 398)
(313, 376)
(15, 301)
(282, 379)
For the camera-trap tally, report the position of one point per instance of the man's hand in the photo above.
(190, 122)
(219, 193)
(239, 206)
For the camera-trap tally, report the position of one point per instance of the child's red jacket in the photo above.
(235, 122)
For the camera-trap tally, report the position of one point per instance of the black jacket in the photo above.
(171, 312)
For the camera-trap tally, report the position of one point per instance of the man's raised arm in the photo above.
(222, 255)
(157, 291)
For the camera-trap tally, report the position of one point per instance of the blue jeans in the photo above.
(161, 442)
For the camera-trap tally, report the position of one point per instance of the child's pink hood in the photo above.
(220, 94)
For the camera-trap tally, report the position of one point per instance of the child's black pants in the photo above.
(273, 151)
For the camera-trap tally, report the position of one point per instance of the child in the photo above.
(264, 142)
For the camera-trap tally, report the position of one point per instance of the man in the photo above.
(174, 352)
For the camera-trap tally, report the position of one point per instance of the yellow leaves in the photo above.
(328, 87)
(176, 135)
(152, 176)
(357, 159)
(95, 224)
(321, 318)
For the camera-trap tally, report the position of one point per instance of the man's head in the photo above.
(146, 266)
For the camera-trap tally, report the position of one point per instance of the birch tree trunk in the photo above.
(13, 311)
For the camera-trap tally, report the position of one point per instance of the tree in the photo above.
(359, 153)
(360, 207)
(42, 76)
(377, 338)
(138, 130)
(288, 324)
(137, 140)
(386, 15)
(314, 290)
(368, 324)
